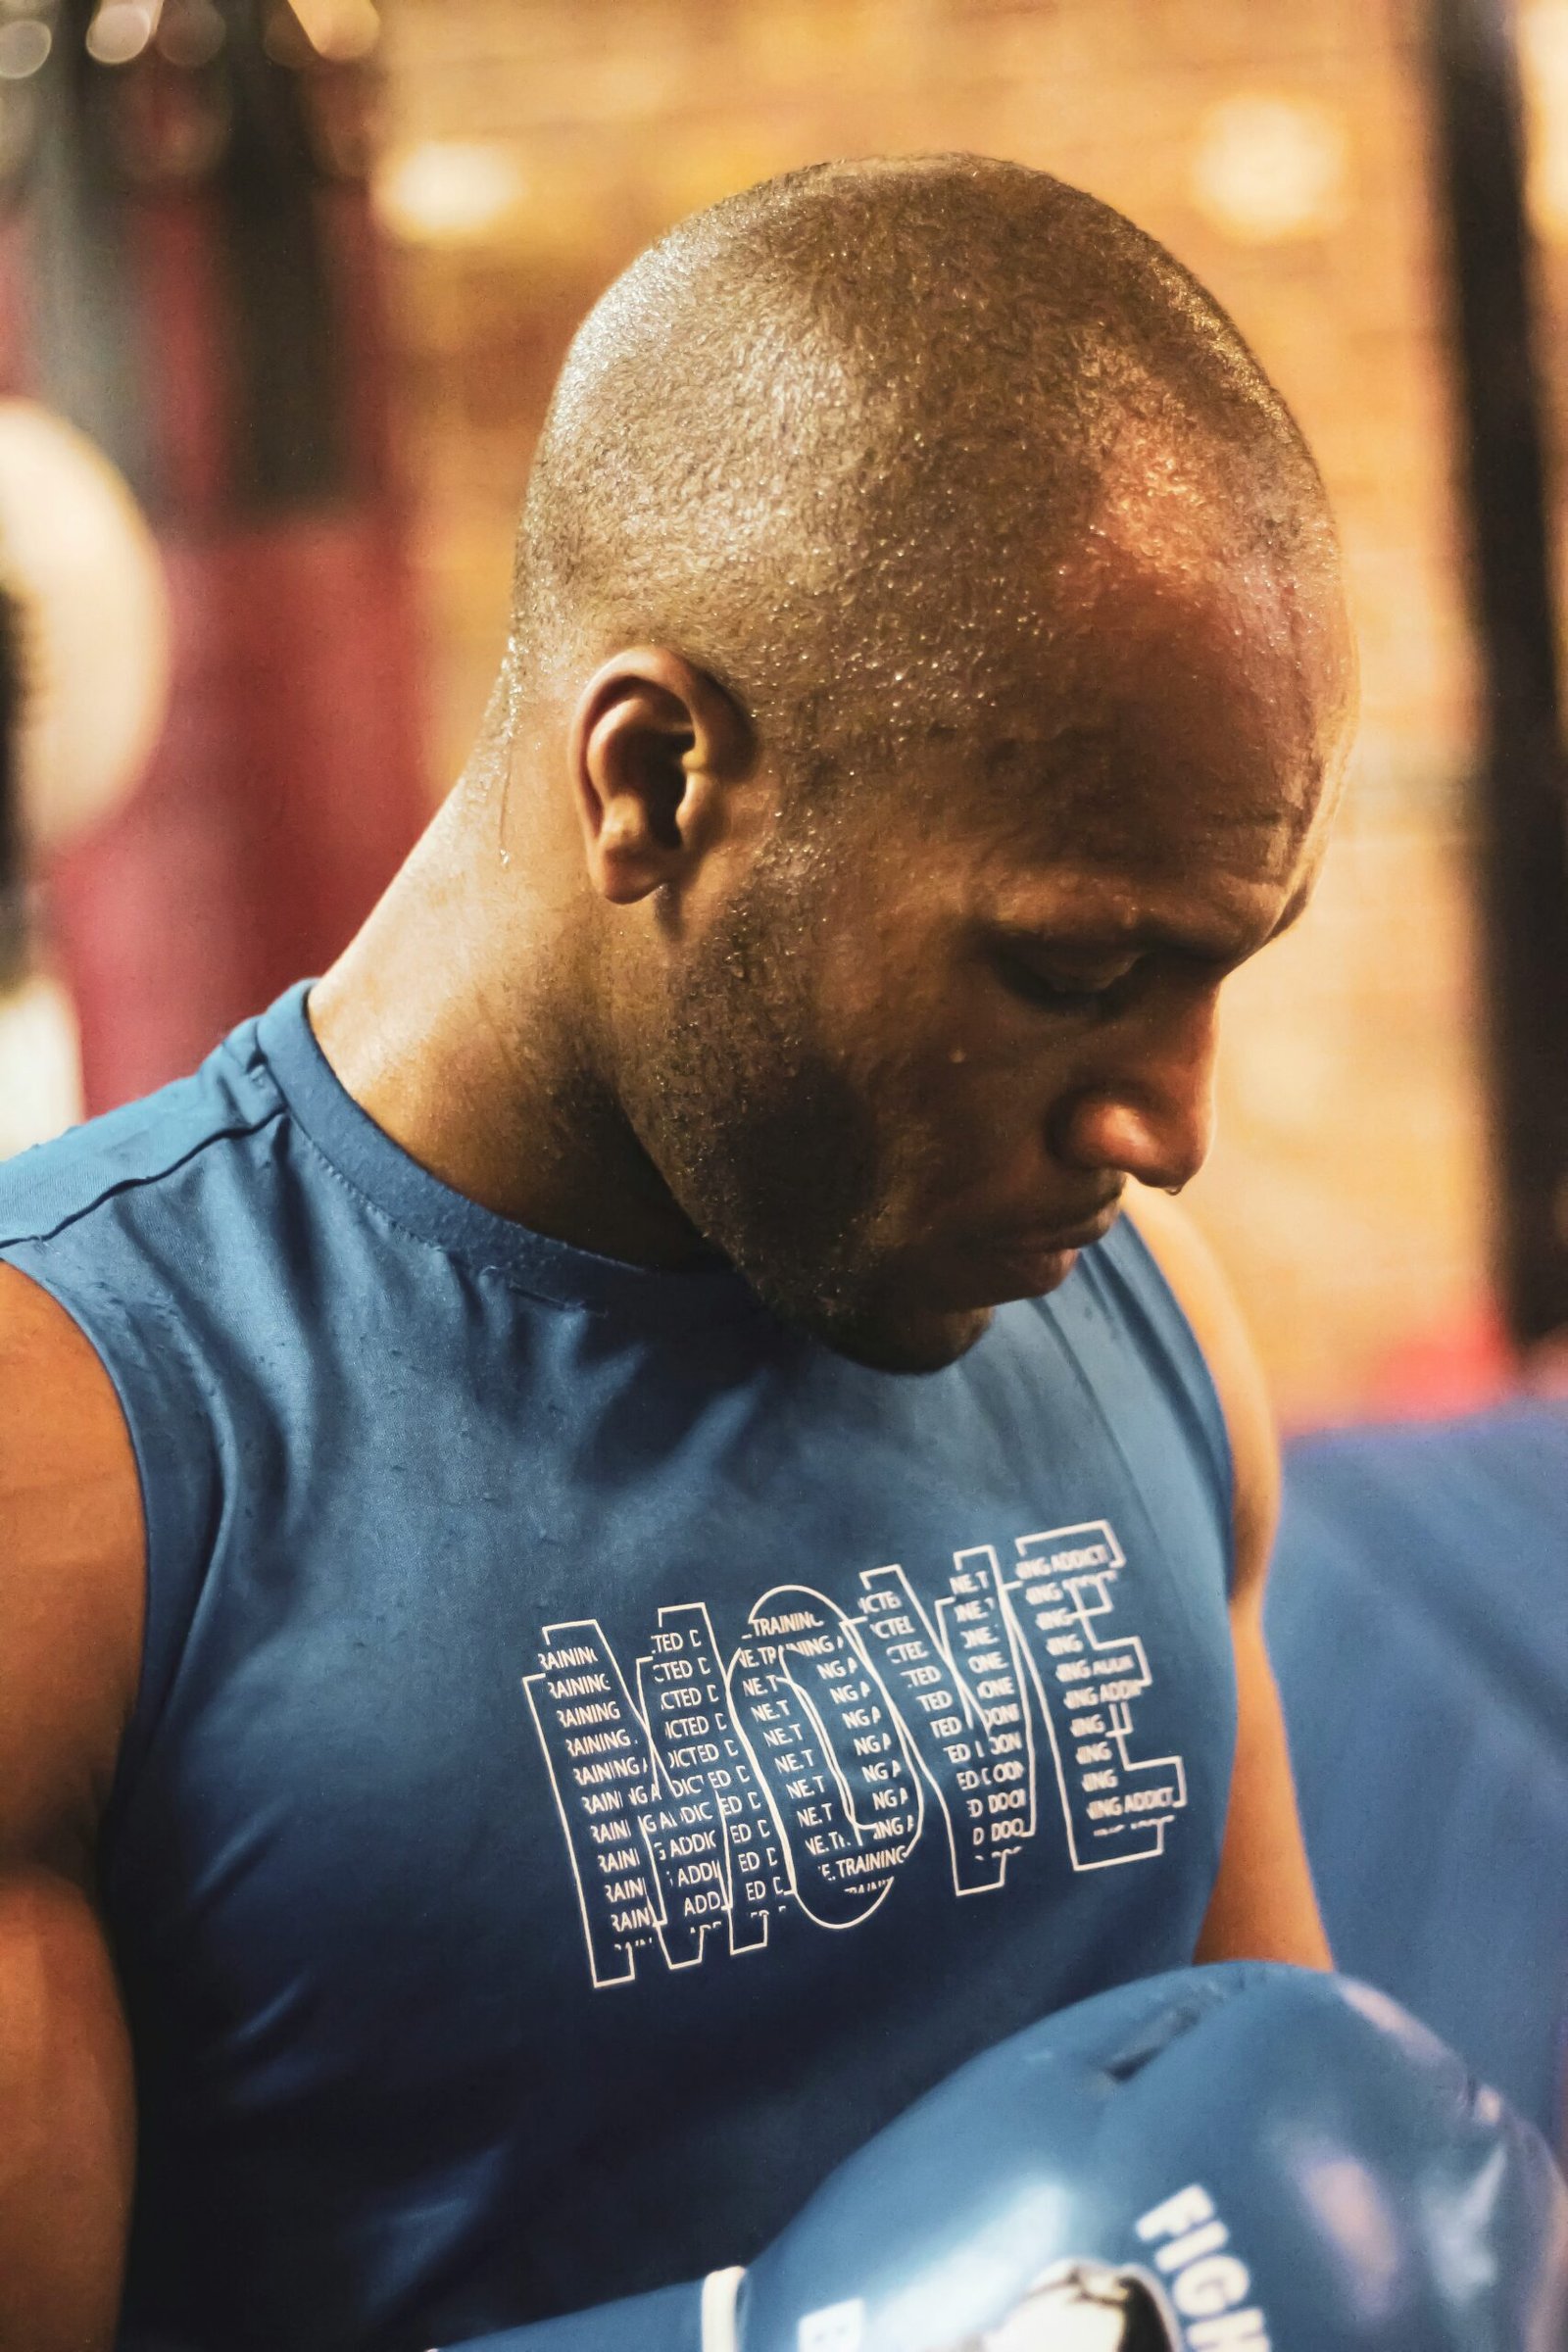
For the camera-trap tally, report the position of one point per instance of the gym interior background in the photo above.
(306, 273)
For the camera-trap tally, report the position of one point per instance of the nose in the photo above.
(1146, 1110)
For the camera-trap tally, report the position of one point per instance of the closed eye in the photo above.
(1066, 992)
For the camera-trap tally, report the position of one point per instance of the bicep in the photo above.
(70, 1603)
(66, 2134)
(1264, 1906)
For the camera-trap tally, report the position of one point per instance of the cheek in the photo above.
(965, 1120)
(955, 1074)
(985, 1060)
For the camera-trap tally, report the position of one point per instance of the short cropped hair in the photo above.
(829, 438)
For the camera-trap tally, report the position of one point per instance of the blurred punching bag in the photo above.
(191, 279)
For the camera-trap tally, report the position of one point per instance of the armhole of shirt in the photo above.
(172, 1446)
(1173, 1345)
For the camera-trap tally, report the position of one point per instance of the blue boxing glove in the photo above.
(1245, 2158)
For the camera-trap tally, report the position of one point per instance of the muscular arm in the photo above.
(71, 1600)
(1264, 1906)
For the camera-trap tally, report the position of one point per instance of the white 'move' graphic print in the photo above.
(701, 1799)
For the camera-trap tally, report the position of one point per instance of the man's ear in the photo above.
(652, 743)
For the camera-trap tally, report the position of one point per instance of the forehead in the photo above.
(1183, 719)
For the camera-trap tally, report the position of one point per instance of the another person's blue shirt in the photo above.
(599, 1755)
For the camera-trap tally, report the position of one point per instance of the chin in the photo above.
(1029, 1274)
(911, 1342)
(923, 1338)
(916, 1331)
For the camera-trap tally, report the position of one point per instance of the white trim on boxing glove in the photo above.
(719, 2290)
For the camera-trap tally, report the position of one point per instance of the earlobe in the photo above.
(653, 743)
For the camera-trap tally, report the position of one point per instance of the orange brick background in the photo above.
(1347, 1192)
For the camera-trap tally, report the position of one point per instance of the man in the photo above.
(565, 1651)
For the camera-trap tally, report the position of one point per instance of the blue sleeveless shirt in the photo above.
(598, 1755)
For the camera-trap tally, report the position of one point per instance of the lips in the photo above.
(1047, 1240)
(1025, 1264)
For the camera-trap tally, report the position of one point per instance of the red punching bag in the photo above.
(199, 293)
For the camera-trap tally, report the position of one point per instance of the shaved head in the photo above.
(835, 438)
(930, 677)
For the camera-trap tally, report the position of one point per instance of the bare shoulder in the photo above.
(72, 1581)
(1205, 1298)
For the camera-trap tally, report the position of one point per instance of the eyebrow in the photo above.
(1150, 932)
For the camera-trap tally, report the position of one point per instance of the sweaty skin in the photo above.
(894, 1057)
(892, 1034)
(1026, 1026)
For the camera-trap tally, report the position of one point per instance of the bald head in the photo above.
(841, 439)
(937, 478)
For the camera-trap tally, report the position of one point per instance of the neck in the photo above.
(457, 1019)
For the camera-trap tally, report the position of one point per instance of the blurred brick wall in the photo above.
(1348, 1190)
